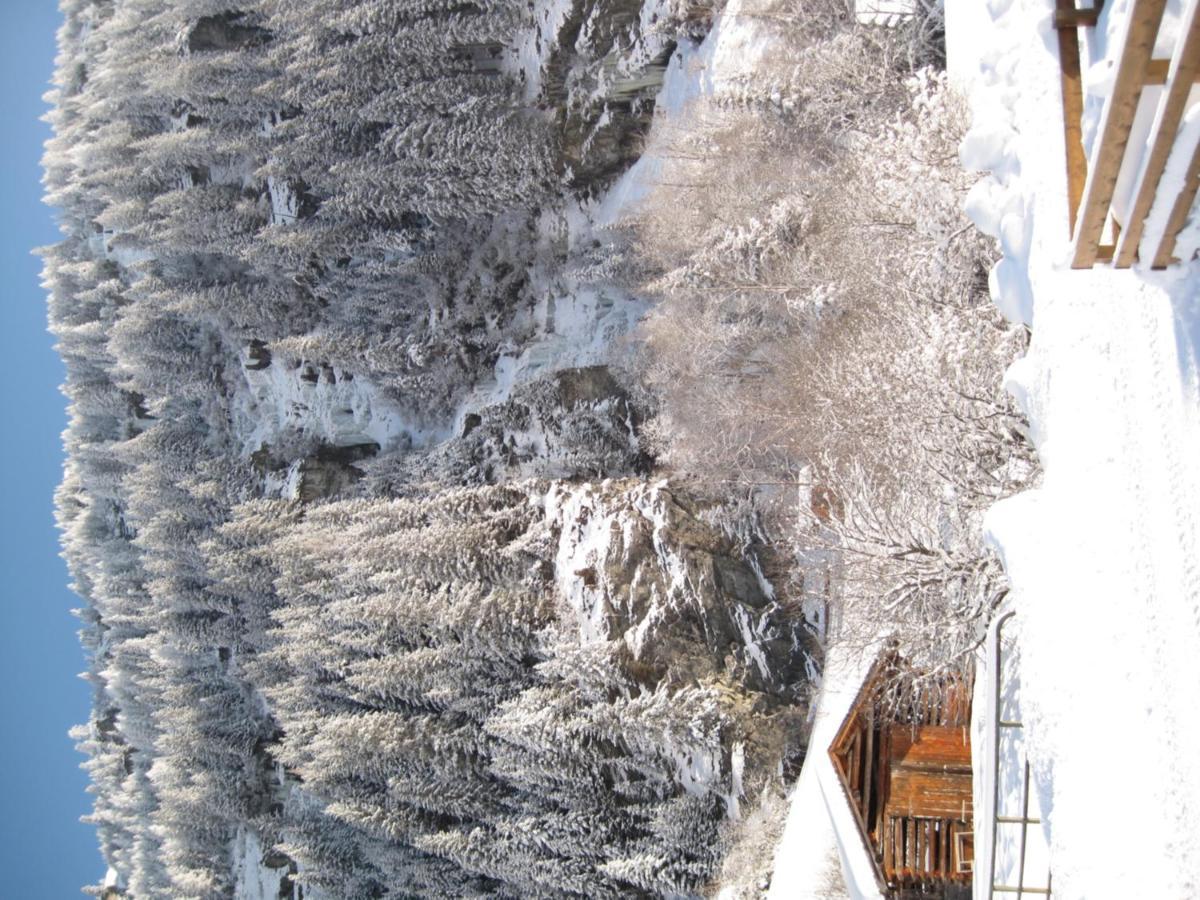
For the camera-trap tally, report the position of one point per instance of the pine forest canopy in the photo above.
(421, 628)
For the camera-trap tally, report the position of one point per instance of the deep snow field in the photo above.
(1103, 554)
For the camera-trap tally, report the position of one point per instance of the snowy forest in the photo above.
(483, 414)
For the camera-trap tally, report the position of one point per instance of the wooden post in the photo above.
(886, 844)
(1072, 100)
(947, 863)
(1140, 33)
(1185, 64)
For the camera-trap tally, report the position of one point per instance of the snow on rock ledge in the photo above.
(297, 397)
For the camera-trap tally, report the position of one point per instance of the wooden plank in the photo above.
(1185, 66)
(886, 844)
(852, 775)
(945, 863)
(931, 837)
(931, 795)
(1072, 102)
(914, 865)
(882, 774)
(927, 846)
(889, 857)
(898, 844)
(918, 828)
(915, 856)
(868, 785)
(1119, 110)
(933, 747)
(940, 845)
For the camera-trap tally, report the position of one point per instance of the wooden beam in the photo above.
(1072, 101)
(914, 849)
(1179, 213)
(1141, 31)
(852, 751)
(868, 786)
(862, 826)
(882, 774)
(1075, 18)
(1185, 66)
(1157, 71)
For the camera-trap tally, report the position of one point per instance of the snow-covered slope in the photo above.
(1103, 556)
(820, 826)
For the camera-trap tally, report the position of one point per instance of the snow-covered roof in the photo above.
(820, 821)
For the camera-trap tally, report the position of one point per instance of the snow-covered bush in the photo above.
(823, 321)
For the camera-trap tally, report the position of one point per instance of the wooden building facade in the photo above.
(905, 765)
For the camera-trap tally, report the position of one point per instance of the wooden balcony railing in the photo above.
(1092, 183)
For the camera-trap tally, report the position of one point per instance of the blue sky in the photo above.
(44, 850)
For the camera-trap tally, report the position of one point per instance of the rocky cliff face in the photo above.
(644, 563)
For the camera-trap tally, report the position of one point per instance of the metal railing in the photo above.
(1024, 820)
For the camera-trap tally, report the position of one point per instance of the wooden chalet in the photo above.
(905, 765)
